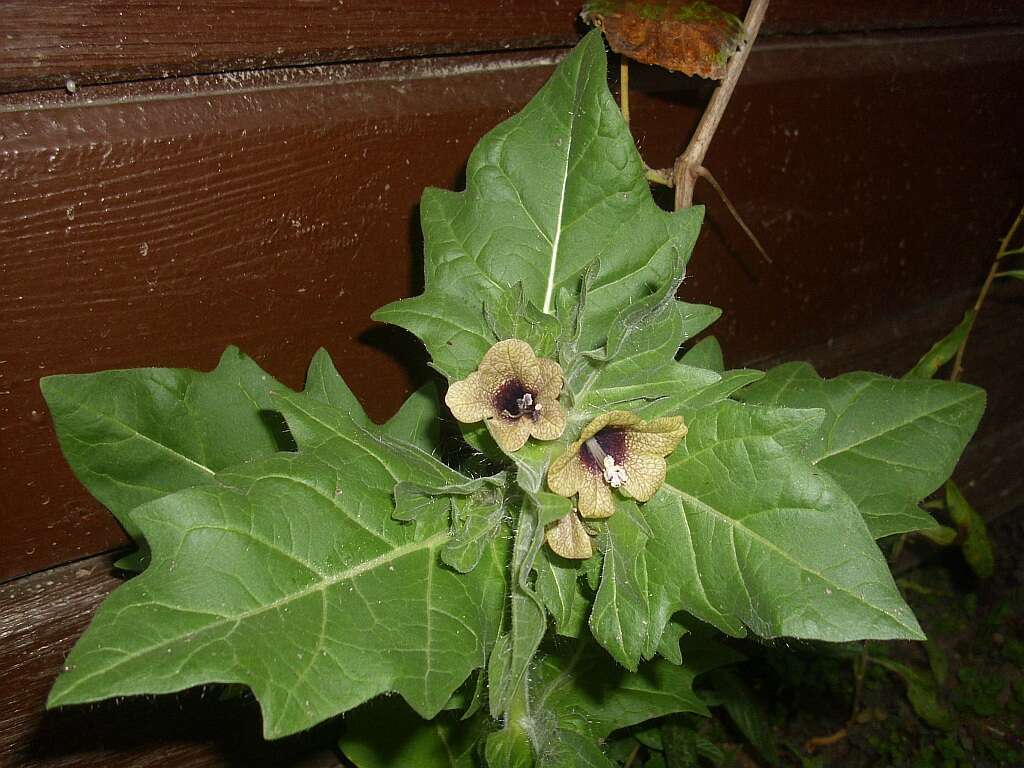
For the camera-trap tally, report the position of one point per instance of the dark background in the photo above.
(236, 172)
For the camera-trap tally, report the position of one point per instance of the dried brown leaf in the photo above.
(695, 38)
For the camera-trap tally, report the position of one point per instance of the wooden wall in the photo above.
(248, 172)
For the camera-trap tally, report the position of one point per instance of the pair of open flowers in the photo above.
(515, 393)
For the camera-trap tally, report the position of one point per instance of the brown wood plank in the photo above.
(154, 224)
(157, 231)
(40, 618)
(48, 42)
(41, 615)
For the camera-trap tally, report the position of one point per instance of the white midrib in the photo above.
(736, 526)
(320, 585)
(550, 291)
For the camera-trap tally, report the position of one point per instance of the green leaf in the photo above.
(941, 535)
(679, 742)
(668, 645)
(515, 317)
(529, 619)
(325, 384)
(558, 587)
(291, 577)
(706, 353)
(477, 520)
(976, 546)
(418, 421)
(620, 617)
(745, 531)
(922, 694)
(586, 691)
(132, 436)
(386, 732)
(943, 350)
(550, 191)
(509, 748)
(887, 442)
(746, 712)
(1014, 273)
(566, 749)
(641, 370)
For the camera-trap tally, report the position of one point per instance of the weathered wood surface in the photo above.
(41, 615)
(45, 43)
(154, 224)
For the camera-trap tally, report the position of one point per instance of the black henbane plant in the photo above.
(677, 499)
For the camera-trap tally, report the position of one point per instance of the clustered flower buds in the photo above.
(515, 393)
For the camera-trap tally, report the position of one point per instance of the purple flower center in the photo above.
(513, 401)
(612, 441)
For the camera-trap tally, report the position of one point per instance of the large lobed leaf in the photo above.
(550, 191)
(132, 436)
(744, 529)
(289, 575)
(887, 442)
(745, 534)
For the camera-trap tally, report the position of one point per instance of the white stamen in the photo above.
(614, 473)
(524, 402)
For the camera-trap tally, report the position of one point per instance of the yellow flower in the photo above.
(569, 538)
(514, 392)
(616, 450)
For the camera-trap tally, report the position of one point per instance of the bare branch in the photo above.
(693, 158)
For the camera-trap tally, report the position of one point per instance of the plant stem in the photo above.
(686, 164)
(624, 87)
(1003, 252)
(705, 174)
(860, 668)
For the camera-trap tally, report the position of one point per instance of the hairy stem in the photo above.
(624, 87)
(993, 273)
(693, 158)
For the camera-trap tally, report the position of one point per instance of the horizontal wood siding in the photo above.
(154, 224)
(45, 43)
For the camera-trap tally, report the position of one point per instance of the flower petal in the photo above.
(568, 537)
(595, 500)
(509, 435)
(658, 436)
(510, 359)
(644, 475)
(549, 383)
(469, 399)
(566, 474)
(550, 423)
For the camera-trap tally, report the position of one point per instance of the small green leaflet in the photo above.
(290, 576)
(550, 190)
(385, 733)
(706, 353)
(132, 436)
(943, 350)
(585, 691)
(558, 587)
(976, 546)
(887, 442)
